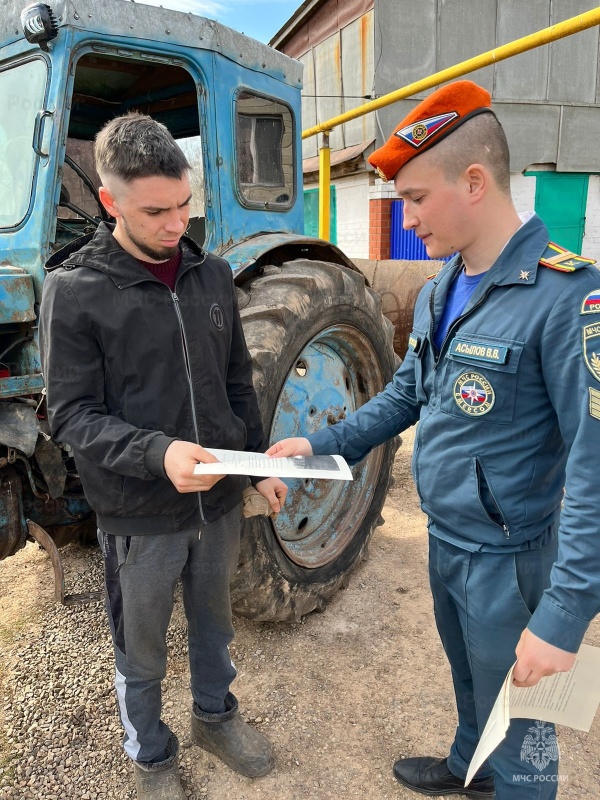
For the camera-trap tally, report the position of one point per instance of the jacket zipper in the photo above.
(190, 384)
(481, 474)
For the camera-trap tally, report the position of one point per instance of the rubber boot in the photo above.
(160, 781)
(235, 742)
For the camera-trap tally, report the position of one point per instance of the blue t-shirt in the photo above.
(458, 296)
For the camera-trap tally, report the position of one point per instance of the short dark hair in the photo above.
(480, 140)
(137, 146)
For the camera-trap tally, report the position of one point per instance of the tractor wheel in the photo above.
(320, 348)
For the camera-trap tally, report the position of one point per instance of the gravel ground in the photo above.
(341, 695)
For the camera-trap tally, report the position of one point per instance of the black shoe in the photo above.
(431, 776)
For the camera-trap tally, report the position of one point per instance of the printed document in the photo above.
(566, 698)
(236, 462)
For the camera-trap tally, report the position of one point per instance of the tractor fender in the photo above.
(249, 255)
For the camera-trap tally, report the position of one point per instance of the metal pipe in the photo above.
(324, 188)
(572, 25)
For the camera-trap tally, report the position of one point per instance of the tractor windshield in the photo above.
(22, 90)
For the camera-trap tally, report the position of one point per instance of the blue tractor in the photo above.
(319, 342)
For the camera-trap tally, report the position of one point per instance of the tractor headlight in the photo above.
(39, 24)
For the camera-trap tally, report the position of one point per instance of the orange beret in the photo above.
(427, 124)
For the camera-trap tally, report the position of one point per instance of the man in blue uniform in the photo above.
(503, 374)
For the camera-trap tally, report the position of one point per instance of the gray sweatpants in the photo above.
(141, 575)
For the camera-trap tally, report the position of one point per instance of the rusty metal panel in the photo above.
(466, 29)
(573, 73)
(523, 77)
(578, 149)
(150, 23)
(532, 132)
(324, 21)
(328, 79)
(309, 104)
(357, 77)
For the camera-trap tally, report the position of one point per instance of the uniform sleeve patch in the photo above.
(595, 403)
(591, 303)
(591, 348)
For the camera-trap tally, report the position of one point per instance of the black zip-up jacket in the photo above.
(130, 366)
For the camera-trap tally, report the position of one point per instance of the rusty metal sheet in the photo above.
(317, 23)
(157, 24)
(399, 283)
(49, 459)
(19, 385)
(19, 427)
(16, 295)
(328, 78)
(357, 77)
(12, 528)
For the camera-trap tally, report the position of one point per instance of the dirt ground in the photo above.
(341, 695)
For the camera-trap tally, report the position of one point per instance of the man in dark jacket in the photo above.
(146, 365)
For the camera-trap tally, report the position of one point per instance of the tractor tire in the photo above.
(320, 348)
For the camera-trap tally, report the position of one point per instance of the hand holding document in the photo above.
(235, 462)
(566, 698)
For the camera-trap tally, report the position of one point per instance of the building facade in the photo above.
(547, 99)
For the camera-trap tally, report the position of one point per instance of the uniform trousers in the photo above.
(141, 575)
(482, 603)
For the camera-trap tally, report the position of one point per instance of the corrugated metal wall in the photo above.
(546, 98)
(339, 70)
(405, 244)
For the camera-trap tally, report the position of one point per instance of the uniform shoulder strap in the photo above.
(558, 258)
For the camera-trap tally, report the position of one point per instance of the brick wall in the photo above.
(380, 221)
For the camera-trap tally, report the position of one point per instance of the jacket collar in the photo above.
(516, 264)
(102, 252)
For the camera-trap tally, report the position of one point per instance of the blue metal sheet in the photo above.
(21, 385)
(16, 296)
(404, 244)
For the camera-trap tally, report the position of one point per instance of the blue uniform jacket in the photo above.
(509, 414)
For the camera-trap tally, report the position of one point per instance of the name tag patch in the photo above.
(474, 394)
(591, 348)
(415, 343)
(477, 351)
(591, 303)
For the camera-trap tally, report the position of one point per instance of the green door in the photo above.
(311, 214)
(560, 200)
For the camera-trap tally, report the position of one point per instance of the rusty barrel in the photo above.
(398, 282)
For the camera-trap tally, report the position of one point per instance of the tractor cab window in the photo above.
(106, 86)
(22, 89)
(265, 151)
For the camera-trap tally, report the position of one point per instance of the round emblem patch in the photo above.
(473, 394)
(419, 132)
(217, 317)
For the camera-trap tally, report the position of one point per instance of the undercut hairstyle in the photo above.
(137, 146)
(480, 140)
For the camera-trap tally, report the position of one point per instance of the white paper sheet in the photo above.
(235, 462)
(566, 698)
